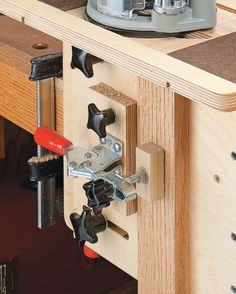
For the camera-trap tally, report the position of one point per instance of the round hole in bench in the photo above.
(40, 46)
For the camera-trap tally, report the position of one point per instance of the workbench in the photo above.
(179, 94)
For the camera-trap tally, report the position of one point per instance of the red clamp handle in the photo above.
(51, 140)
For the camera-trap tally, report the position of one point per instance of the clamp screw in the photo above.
(140, 176)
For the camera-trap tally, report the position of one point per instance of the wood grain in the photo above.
(212, 200)
(163, 265)
(163, 225)
(77, 94)
(229, 5)
(2, 141)
(124, 128)
(150, 157)
(153, 65)
(17, 93)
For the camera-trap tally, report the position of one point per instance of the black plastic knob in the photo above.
(99, 119)
(87, 225)
(99, 194)
(83, 61)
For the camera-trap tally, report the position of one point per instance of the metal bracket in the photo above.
(93, 165)
(87, 163)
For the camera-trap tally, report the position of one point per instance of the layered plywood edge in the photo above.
(153, 65)
(229, 5)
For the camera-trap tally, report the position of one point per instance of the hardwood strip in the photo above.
(2, 142)
(163, 225)
(153, 65)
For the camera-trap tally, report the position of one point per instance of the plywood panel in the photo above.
(123, 253)
(212, 200)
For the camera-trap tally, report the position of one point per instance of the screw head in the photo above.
(87, 163)
(117, 147)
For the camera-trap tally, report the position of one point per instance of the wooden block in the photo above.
(151, 158)
(2, 147)
(124, 128)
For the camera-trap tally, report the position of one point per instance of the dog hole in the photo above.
(40, 46)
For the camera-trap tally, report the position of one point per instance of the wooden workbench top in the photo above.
(18, 44)
(144, 58)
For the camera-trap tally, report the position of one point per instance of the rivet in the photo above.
(217, 178)
(87, 163)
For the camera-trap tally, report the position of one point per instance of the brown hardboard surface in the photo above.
(217, 56)
(66, 5)
(17, 41)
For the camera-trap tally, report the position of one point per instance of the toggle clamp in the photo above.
(101, 165)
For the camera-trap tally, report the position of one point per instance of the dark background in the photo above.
(48, 261)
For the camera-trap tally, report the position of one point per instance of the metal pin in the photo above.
(46, 188)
